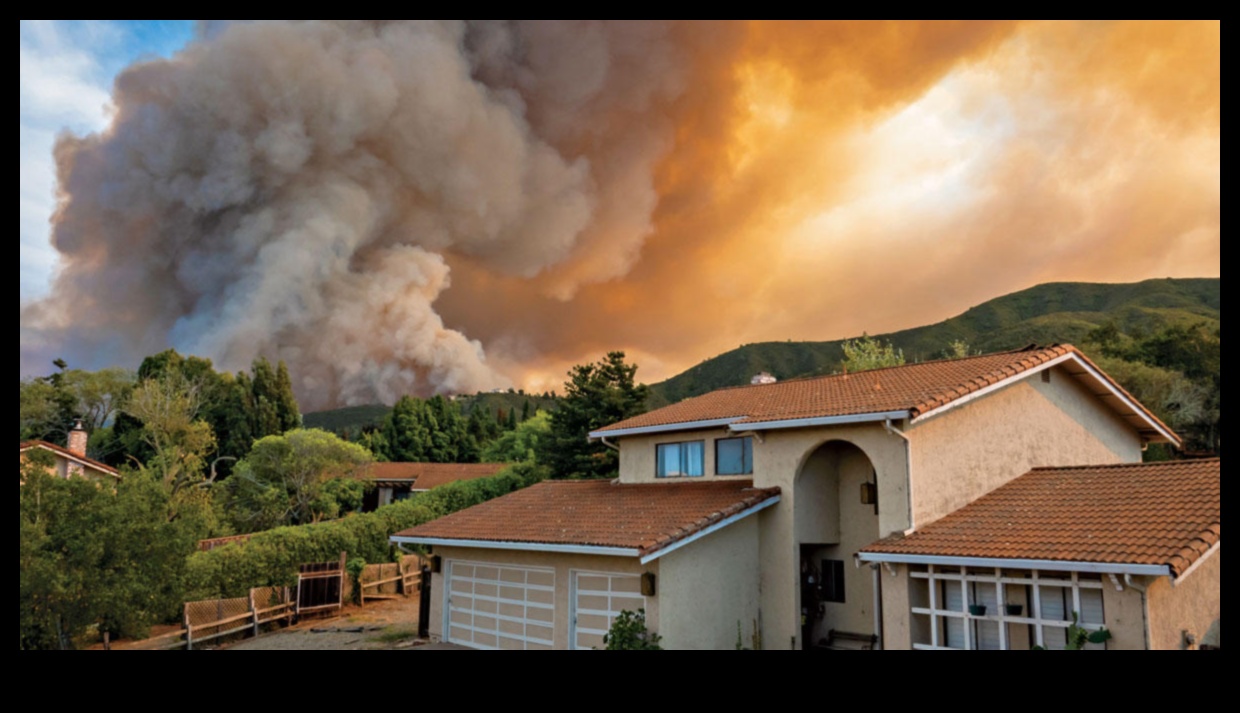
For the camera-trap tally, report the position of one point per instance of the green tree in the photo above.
(866, 352)
(95, 557)
(293, 479)
(596, 395)
(957, 349)
(521, 443)
(405, 432)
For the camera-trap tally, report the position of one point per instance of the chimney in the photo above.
(77, 439)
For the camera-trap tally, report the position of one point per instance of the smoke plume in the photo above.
(375, 202)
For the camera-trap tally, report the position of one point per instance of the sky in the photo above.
(440, 207)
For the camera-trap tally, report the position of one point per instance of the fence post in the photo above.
(344, 574)
(189, 631)
(254, 611)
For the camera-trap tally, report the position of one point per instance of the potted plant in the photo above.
(977, 610)
(1014, 609)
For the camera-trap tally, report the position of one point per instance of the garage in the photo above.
(598, 598)
(492, 606)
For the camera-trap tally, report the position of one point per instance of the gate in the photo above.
(320, 586)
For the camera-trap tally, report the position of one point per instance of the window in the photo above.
(976, 608)
(734, 456)
(833, 581)
(680, 459)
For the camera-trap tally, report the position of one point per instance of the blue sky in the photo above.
(67, 68)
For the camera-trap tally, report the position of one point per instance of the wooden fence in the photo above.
(391, 579)
(212, 619)
(320, 586)
(208, 545)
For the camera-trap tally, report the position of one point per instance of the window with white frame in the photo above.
(680, 459)
(986, 608)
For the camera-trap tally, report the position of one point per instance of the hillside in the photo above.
(1054, 312)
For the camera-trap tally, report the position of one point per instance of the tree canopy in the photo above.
(595, 395)
(866, 352)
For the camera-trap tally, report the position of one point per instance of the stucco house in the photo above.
(758, 508)
(72, 461)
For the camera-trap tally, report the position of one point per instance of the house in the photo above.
(396, 481)
(755, 509)
(72, 461)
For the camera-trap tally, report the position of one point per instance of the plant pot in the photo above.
(977, 610)
(1014, 609)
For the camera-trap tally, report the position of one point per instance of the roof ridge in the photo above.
(1143, 464)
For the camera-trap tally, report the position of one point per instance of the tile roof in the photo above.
(424, 476)
(916, 388)
(1165, 513)
(65, 452)
(601, 513)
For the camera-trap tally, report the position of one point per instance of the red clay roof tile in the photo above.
(646, 516)
(916, 388)
(1139, 513)
(424, 476)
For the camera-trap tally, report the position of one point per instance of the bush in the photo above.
(272, 558)
(628, 633)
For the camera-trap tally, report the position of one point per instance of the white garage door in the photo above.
(492, 606)
(598, 598)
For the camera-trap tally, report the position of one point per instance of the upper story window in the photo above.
(680, 459)
(734, 456)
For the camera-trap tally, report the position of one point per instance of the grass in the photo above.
(395, 634)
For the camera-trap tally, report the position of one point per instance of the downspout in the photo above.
(609, 444)
(908, 470)
(878, 605)
(1145, 607)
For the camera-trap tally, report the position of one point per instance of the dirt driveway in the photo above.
(391, 624)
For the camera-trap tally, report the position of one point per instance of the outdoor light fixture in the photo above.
(647, 584)
(869, 493)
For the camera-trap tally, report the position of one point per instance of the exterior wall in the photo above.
(708, 587)
(1191, 606)
(974, 448)
(1125, 616)
(563, 564)
(63, 468)
(896, 617)
(637, 456)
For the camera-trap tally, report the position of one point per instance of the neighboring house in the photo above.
(397, 481)
(72, 461)
(748, 506)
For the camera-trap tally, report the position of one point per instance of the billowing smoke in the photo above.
(376, 202)
(291, 189)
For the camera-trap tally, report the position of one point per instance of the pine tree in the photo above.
(596, 395)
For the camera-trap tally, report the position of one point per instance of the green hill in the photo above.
(1054, 312)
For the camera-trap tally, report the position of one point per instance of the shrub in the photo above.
(628, 633)
(273, 557)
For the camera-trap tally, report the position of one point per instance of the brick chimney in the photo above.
(77, 439)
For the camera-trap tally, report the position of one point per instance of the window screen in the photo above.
(680, 459)
(833, 580)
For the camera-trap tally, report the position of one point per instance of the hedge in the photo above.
(273, 557)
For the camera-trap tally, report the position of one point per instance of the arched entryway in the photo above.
(836, 514)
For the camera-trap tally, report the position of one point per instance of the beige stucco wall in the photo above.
(1192, 605)
(709, 586)
(970, 450)
(1125, 616)
(563, 564)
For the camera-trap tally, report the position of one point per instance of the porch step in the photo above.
(849, 641)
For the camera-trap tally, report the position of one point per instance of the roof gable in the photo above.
(1165, 513)
(907, 391)
(70, 455)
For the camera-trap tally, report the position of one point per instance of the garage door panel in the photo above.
(491, 608)
(598, 598)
